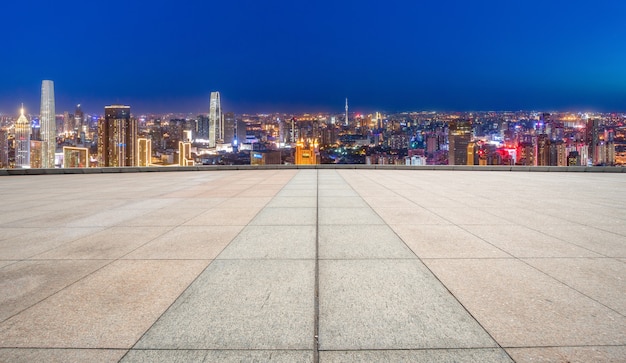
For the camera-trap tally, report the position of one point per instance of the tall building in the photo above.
(117, 137)
(202, 129)
(80, 122)
(36, 154)
(22, 141)
(47, 119)
(144, 152)
(459, 137)
(216, 121)
(4, 148)
(346, 123)
(229, 127)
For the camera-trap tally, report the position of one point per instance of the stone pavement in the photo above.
(313, 265)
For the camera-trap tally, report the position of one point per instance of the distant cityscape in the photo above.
(117, 137)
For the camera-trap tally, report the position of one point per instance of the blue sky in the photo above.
(266, 56)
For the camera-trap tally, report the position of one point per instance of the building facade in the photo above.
(47, 119)
(22, 141)
(117, 137)
(216, 120)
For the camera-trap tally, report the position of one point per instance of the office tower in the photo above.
(80, 122)
(47, 119)
(202, 129)
(75, 157)
(68, 123)
(144, 152)
(459, 136)
(4, 148)
(22, 141)
(229, 127)
(346, 120)
(117, 137)
(36, 154)
(216, 122)
(240, 131)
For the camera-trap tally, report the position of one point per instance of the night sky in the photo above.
(268, 56)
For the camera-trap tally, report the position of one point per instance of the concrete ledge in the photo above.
(587, 169)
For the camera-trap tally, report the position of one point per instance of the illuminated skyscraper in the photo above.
(459, 137)
(48, 124)
(22, 141)
(229, 127)
(4, 148)
(216, 121)
(80, 122)
(144, 152)
(346, 123)
(117, 137)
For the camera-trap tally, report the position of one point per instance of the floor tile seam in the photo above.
(412, 349)
(174, 300)
(111, 261)
(316, 286)
(433, 274)
(565, 346)
(571, 287)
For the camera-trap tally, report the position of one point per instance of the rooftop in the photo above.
(305, 265)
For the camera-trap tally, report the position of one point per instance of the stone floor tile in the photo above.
(348, 216)
(417, 356)
(445, 241)
(242, 304)
(224, 217)
(18, 355)
(360, 241)
(187, 242)
(390, 304)
(285, 217)
(602, 279)
(111, 243)
(520, 306)
(25, 283)
(111, 308)
(598, 354)
(272, 242)
(184, 356)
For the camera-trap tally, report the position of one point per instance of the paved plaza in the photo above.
(307, 265)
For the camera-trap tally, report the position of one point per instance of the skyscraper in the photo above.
(346, 123)
(48, 124)
(4, 148)
(22, 141)
(216, 122)
(460, 135)
(117, 137)
(229, 127)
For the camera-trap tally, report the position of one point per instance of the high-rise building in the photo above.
(80, 122)
(117, 137)
(229, 127)
(22, 141)
(47, 119)
(216, 121)
(459, 136)
(36, 147)
(202, 129)
(346, 121)
(4, 148)
(144, 152)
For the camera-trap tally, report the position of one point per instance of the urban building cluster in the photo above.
(117, 137)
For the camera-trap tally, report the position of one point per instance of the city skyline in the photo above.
(282, 56)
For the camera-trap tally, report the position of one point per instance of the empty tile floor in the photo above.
(306, 265)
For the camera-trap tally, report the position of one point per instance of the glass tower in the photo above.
(22, 141)
(216, 122)
(48, 124)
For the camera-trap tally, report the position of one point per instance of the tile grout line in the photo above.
(316, 303)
